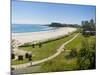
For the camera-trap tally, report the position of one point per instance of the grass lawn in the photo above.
(46, 50)
(77, 42)
(61, 62)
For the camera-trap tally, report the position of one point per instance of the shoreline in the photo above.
(20, 33)
(41, 35)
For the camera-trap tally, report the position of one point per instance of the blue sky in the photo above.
(45, 13)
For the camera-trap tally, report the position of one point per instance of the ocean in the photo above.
(22, 28)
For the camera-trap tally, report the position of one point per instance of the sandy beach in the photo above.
(41, 36)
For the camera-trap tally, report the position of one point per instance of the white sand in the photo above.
(41, 36)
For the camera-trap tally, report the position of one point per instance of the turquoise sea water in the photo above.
(21, 28)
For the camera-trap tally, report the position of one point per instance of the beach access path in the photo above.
(32, 63)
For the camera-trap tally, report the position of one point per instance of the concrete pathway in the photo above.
(59, 50)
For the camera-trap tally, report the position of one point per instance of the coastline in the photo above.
(41, 35)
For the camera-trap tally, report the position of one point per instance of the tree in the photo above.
(92, 56)
(82, 55)
(81, 59)
(92, 59)
(86, 56)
